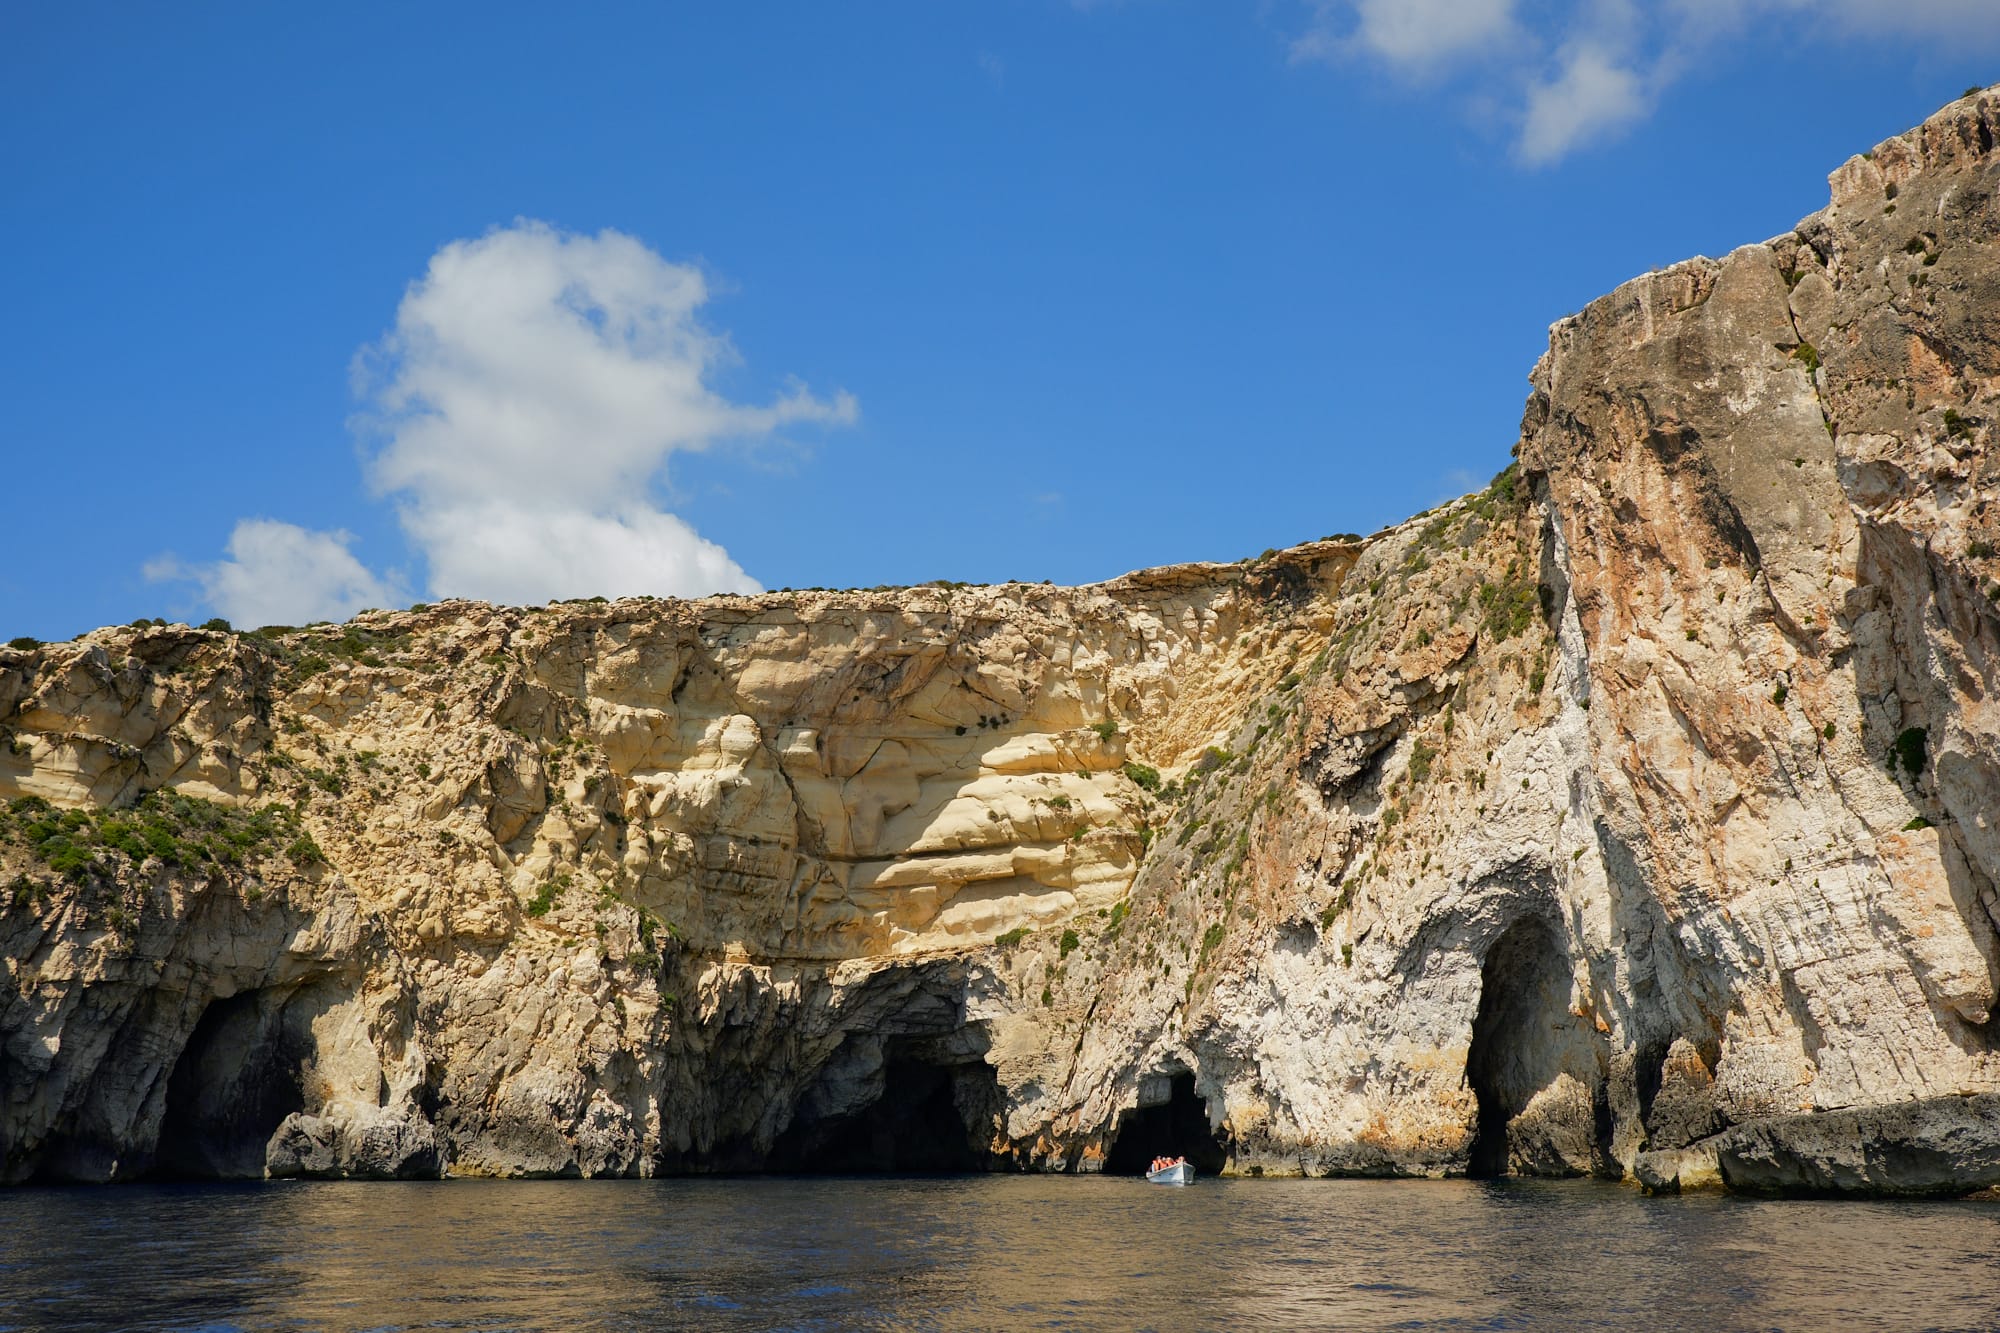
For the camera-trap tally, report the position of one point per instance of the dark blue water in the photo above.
(1000, 1252)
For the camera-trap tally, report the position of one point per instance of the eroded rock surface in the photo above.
(1631, 817)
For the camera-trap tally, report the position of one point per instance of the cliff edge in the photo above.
(1632, 817)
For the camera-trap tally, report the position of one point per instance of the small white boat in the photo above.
(1180, 1173)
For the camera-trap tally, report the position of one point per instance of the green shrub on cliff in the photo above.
(1501, 498)
(1212, 758)
(1143, 776)
(169, 827)
(1912, 750)
(1421, 757)
(1509, 606)
(21, 891)
(652, 930)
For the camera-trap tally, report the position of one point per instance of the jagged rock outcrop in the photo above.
(1632, 817)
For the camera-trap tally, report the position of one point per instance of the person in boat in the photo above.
(1163, 1163)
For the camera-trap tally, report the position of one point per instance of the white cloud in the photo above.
(506, 551)
(1416, 36)
(1574, 73)
(534, 386)
(282, 574)
(1591, 98)
(519, 414)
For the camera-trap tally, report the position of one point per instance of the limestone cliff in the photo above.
(1632, 817)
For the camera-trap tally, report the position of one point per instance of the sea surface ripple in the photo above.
(989, 1252)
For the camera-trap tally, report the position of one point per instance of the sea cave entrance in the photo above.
(1175, 1127)
(933, 1115)
(236, 1080)
(1519, 1035)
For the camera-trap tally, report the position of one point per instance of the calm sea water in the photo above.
(998, 1252)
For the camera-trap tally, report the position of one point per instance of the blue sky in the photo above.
(316, 310)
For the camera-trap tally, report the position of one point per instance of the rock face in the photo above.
(1631, 817)
(1936, 1145)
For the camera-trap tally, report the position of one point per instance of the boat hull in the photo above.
(1181, 1174)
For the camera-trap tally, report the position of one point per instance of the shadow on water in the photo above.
(981, 1252)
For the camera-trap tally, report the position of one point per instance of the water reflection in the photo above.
(977, 1253)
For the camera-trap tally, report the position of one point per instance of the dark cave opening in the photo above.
(930, 1119)
(1517, 1046)
(236, 1080)
(1177, 1127)
(1648, 1074)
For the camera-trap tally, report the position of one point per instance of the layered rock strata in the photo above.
(1632, 817)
